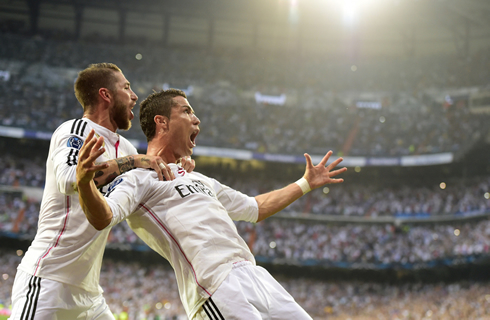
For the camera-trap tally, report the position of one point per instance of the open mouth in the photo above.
(193, 137)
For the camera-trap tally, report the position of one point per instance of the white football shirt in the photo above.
(66, 247)
(189, 221)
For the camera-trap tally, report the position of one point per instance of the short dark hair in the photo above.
(90, 80)
(157, 103)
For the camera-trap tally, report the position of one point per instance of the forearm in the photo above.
(115, 168)
(274, 201)
(94, 205)
(119, 166)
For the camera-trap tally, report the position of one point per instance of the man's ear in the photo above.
(161, 123)
(105, 95)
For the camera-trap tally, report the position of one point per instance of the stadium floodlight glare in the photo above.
(350, 10)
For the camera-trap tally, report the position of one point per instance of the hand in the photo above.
(156, 163)
(188, 164)
(320, 175)
(90, 151)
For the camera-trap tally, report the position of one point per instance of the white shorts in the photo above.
(37, 298)
(250, 293)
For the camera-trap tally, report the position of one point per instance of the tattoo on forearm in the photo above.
(110, 177)
(125, 164)
(97, 175)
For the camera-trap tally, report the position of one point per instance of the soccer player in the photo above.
(58, 277)
(189, 220)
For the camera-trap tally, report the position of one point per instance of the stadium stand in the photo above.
(318, 115)
(381, 226)
(138, 291)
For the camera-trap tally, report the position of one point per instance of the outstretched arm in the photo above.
(314, 177)
(96, 209)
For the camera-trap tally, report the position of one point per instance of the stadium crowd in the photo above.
(38, 95)
(366, 245)
(289, 240)
(321, 112)
(458, 197)
(138, 291)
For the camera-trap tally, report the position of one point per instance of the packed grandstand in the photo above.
(391, 114)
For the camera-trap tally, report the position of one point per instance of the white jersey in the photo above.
(66, 247)
(189, 221)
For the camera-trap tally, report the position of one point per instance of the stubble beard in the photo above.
(121, 117)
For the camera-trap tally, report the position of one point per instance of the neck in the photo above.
(158, 148)
(101, 118)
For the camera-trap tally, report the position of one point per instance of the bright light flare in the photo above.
(352, 10)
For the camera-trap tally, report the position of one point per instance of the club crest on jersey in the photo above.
(75, 142)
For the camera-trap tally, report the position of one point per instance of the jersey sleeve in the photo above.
(68, 140)
(126, 193)
(239, 205)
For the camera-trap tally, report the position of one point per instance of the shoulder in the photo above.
(136, 179)
(75, 127)
(71, 133)
(198, 175)
(201, 177)
(140, 174)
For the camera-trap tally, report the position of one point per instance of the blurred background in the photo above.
(399, 88)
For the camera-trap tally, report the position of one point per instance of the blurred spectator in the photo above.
(321, 114)
(150, 292)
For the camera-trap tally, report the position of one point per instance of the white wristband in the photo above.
(304, 185)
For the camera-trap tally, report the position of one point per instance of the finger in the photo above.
(188, 164)
(158, 171)
(171, 173)
(95, 154)
(339, 180)
(167, 172)
(192, 166)
(90, 135)
(98, 143)
(87, 146)
(336, 172)
(164, 171)
(183, 162)
(335, 163)
(88, 139)
(325, 158)
(94, 149)
(309, 163)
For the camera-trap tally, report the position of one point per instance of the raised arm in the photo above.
(314, 177)
(96, 209)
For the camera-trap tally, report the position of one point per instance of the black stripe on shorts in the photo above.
(212, 310)
(31, 299)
